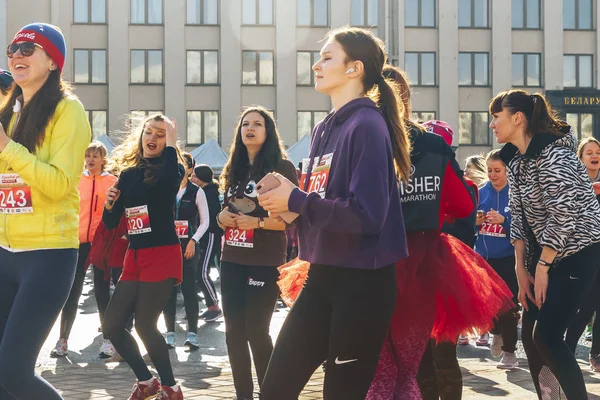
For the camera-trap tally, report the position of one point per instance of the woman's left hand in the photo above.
(190, 249)
(246, 222)
(541, 284)
(494, 217)
(276, 200)
(4, 139)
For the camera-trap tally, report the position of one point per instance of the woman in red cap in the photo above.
(44, 132)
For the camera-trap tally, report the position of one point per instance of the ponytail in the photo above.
(392, 107)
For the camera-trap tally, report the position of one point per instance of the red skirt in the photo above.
(468, 293)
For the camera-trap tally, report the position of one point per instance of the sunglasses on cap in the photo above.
(27, 49)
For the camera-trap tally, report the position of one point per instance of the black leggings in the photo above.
(439, 375)
(583, 317)
(147, 300)
(249, 297)
(208, 249)
(190, 296)
(342, 315)
(102, 291)
(506, 324)
(69, 311)
(544, 328)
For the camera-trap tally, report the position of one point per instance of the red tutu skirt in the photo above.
(442, 276)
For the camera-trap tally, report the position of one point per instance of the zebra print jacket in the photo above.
(550, 188)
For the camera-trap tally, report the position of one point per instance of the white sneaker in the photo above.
(496, 347)
(192, 341)
(463, 340)
(107, 350)
(483, 340)
(171, 340)
(508, 361)
(61, 349)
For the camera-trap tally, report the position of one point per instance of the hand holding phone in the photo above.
(268, 183)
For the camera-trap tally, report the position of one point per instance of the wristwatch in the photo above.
(261, 222)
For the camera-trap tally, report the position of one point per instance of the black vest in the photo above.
(187, 210)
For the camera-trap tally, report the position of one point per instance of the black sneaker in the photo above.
(213, 315)
(203, 315)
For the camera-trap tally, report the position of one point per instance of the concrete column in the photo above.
(339, 13)
(285, 56)
(118, 65)
(3, 32)
(55, 12)
(400, 23)
(231, 68)
(175, 72)
(448, 63)
(501, 49)
(553, 44)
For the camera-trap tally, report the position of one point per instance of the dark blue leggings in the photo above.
(34, 286)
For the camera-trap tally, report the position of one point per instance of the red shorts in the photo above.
(154, 264)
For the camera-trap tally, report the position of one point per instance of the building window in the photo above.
(364, 12)
(473, 128)
(313, 12)
(257, 12)
(202, 12)
(420, 13)
(202, 126)
(257, 68)
(89, 11)
(202, 67)
(422, 116)
(147, 66)
(473, 69)
(307, 121)
(89, 66)
(97, 123)
(577, 14)
(526, 69)
(146, 12)
(304, 61)
(473, 14)
(420, 68)
(526, 14)
(578, 71)
(582, 124)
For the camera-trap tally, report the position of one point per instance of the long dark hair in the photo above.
(541, 118)
(361, 45)
(268, 158)
(35, 115)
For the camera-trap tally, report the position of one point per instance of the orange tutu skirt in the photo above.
(468, 293)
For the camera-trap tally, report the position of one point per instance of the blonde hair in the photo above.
(130, 154)
(479, 169)
(96, 147)
(585, 142)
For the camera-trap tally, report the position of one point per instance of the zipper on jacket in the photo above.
(96, 204)
(91, 208)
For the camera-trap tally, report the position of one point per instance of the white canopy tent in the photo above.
(299, 150)
(211, 154)
(105, 140)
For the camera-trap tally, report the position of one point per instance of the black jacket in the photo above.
(214, 207)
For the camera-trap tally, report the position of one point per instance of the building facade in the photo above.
(201, 61)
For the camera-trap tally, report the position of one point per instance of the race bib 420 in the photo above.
(15, 195)
(138, 220)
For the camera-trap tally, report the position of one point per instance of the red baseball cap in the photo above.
(440, 128)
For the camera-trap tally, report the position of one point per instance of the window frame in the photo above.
(202, 133)
(577, 80)
(413, 116)
(472, 16)
(90, 69)
(146, 23)
(201, 2)
(257, 65)
(313, 59)
(420, 16)
(472, 84)
(90, 119)
(312, 16)
(579, 115)
(420, 64)
(524, 70)
(146, 69)
(577, 22)
(313, 123)
(366, 14)
(489, 136)
(202, 83)
(257, 7)
(89, 18)
(525, 14)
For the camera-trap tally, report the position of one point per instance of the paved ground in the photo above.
(205, 374)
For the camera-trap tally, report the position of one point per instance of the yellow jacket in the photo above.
(53, 174)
